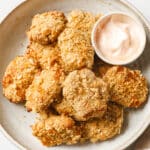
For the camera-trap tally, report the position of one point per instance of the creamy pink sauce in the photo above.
(117, 38)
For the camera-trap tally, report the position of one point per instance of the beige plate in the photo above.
(15, 121)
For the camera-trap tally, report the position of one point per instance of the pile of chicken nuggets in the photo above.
(78, 97)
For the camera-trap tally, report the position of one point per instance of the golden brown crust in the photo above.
(76, 49)
(46, 27)
(45, 89)
(127, 87)
(57, 130)
(85, 96)
(106, 127)
(18, 76)
(75, 41)
(46, 55)
(81, 20)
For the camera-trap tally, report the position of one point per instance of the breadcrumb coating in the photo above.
(57, 130)
(75, 41)
(81, 20)
(46, 55)
(17, 78)
(44, 90)
(76, 49)
(85, 96)
(46, 27)
(127, 87)
(106, 127)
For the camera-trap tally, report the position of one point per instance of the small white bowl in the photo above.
(142, 38)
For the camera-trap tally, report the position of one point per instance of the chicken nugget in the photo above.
(85, 96)
(17, 78)
(46, 27)
(127, 87)
(57, 130)
(76, 49)
(46, 55)
(81, 20)
(106, 127)
(45, 89)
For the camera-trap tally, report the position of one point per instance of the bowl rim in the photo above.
(145, 124)
(97, 51)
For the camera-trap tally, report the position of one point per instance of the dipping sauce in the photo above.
(119, 39)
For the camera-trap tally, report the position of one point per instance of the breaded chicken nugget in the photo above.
(106, 127)
(81, 20)
(46, 55)
(85, 96)
(44, 89)
(18, 76)
(46, 27)
(57, 130)
(76, 49)
(127, 87)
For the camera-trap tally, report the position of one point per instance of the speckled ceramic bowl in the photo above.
(15, 121)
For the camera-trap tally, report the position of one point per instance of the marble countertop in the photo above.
(143, 142)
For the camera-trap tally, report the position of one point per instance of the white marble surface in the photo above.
(7, 5)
